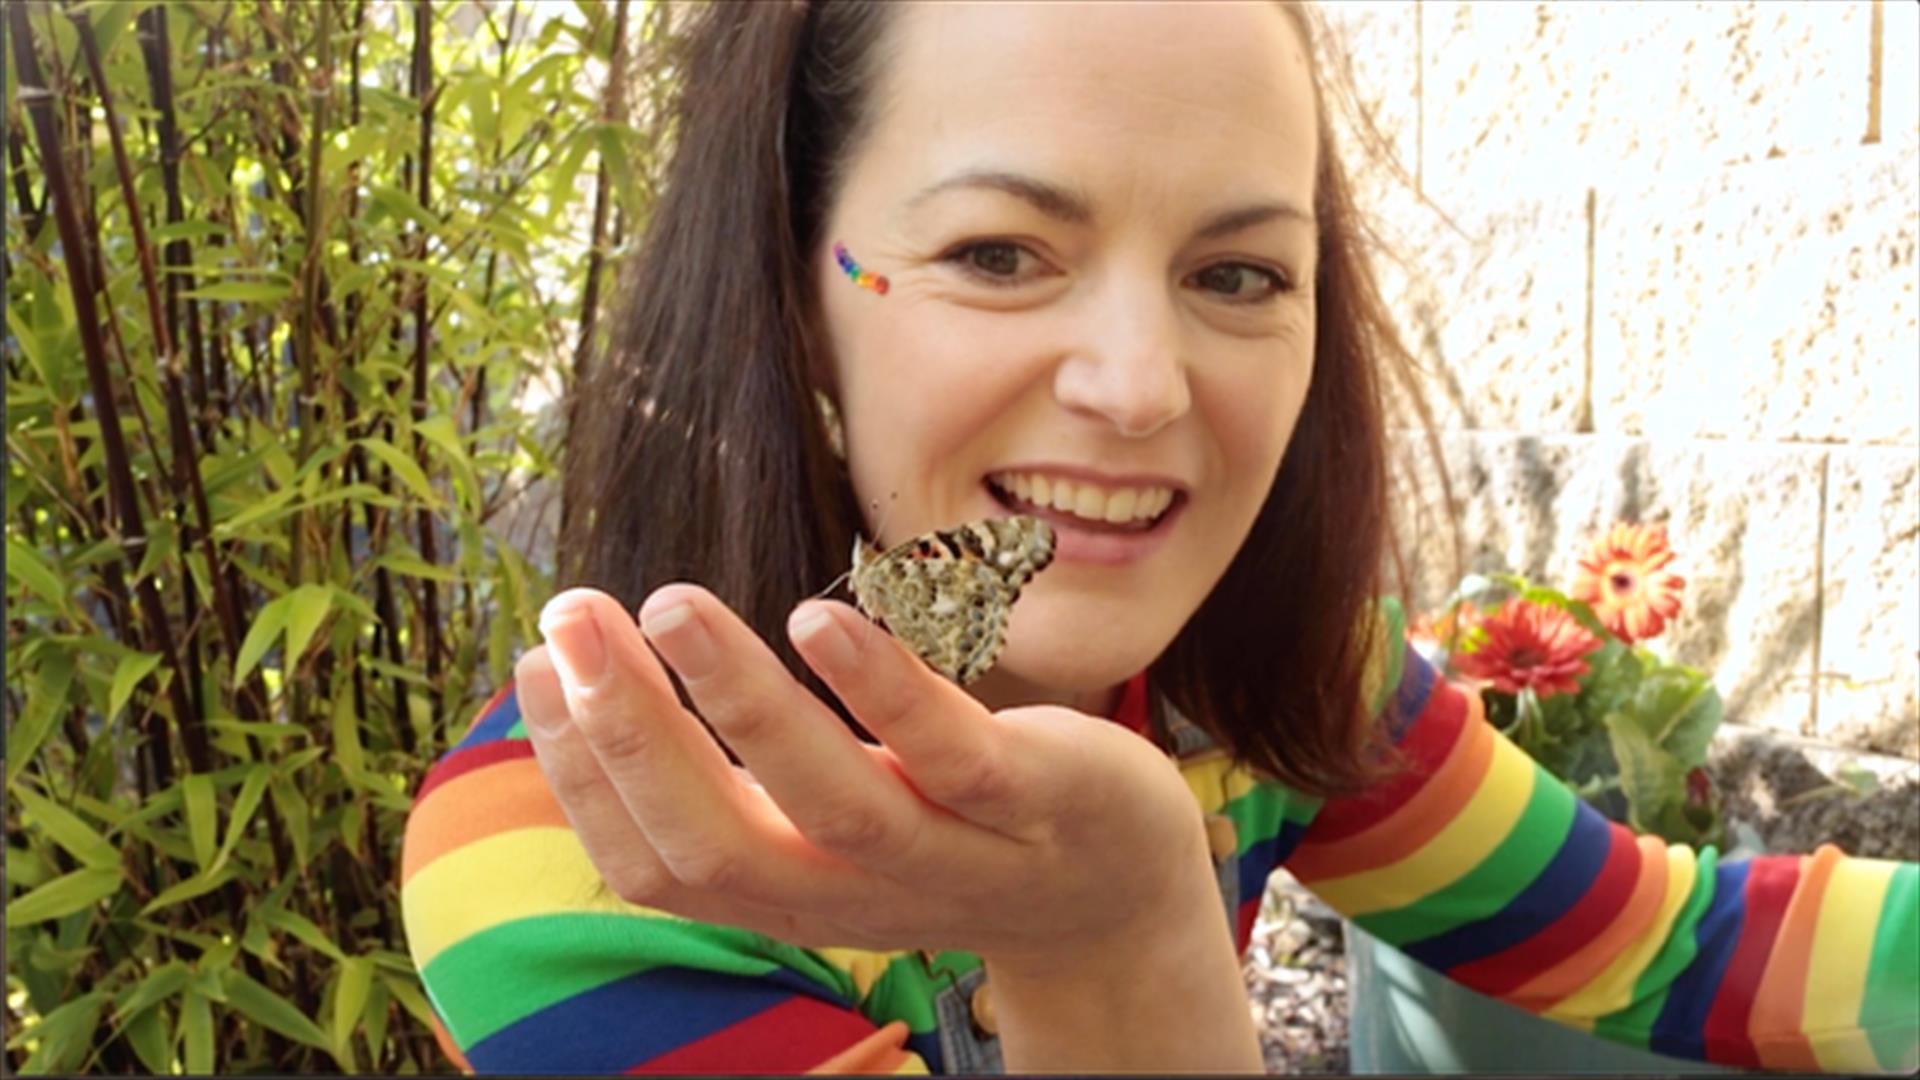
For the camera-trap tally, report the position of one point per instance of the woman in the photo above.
(924, 265)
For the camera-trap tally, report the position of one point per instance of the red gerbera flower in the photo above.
(1530, 645)
(1623, 575)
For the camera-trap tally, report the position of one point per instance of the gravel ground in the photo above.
(1296, 972)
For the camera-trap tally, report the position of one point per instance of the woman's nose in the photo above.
(1130, 372)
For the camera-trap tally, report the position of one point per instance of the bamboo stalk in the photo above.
(156, 50)
(38, 100)
(613, 104)
(425, 92)
(187, 434)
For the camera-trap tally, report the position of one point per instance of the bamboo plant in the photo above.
(287, 284)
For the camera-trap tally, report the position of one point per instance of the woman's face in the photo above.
(1096, 225)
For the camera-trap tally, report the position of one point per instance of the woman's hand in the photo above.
(1024, 835)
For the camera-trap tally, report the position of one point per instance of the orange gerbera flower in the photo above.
(1624, 576)
(1530, 645)
(1449, 629)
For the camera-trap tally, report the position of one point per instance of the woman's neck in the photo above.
(998, 690)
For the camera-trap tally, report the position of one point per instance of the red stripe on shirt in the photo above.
(791, 1037)
(459, 764)
(1511, 968)
(1426, 745)
(1770, 885)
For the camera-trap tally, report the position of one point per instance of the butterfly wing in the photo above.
(947, 594)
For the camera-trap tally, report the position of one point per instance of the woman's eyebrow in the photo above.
(1050, 199)
(1071, 207)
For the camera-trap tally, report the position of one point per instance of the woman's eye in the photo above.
(994, 262)
(1243, 283)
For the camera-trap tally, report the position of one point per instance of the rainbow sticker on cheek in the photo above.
(862, 278)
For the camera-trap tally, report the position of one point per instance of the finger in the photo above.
(950, 746)
(619, 851)
(711, 831)
(829, 785)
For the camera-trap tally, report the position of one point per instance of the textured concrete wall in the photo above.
(1658, 261)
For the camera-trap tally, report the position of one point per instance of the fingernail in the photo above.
(682, 638)
(815, 632)
(574, 640)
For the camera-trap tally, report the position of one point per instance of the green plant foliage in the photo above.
(1632, 740)
(280, 391)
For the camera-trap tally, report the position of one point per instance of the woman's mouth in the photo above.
(1096, 522)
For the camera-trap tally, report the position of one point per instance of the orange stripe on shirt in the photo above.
(1774, 1022)
(507, 795)
(1566, 978)
(1419, 820)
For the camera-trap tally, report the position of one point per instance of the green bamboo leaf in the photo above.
(374, 1033)
(27, 567)
(196, 1034)
(350, 1000)
(25, 867)
(263, 292)
(197, 885)
(29, 340)
(244, 804)
(266, 627)
(303, 930)
(274, 503)
(185, 230)
(203, 820)
(347, 752)
(439, 431)
(64, 895)
(127, 675)
(63, 1034)
(401, 563)
(297, 817)
(160, 984)
(404, 988)
(66, 829)
(270, 1010)
(147, 1034)
(346, 600)
(260, 729)
(403, 467)
(307, 608)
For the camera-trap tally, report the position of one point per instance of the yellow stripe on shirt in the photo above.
(1216, 781)
(1470, 837)
(1612, 989)
(1837, 972)
(464, 892)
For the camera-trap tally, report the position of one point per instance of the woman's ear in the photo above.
(830, 420)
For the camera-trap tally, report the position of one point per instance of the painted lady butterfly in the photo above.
(946, 594)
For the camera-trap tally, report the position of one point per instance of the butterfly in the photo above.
(946, 594)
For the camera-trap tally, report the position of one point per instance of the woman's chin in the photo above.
(1065, 668)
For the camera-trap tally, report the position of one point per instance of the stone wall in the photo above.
(1658, 261)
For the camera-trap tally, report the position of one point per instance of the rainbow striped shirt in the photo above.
(1474, 861)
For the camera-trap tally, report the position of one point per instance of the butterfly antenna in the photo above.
(831, 585)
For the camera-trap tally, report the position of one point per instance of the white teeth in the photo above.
(1092, 504)
(1114, 505)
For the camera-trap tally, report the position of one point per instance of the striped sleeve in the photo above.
(1483, 866)
(533, 966)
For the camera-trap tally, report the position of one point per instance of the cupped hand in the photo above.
(1025, 833)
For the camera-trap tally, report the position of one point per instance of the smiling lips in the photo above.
(1082, 504)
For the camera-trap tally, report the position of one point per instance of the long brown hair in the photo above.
(695, 452)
